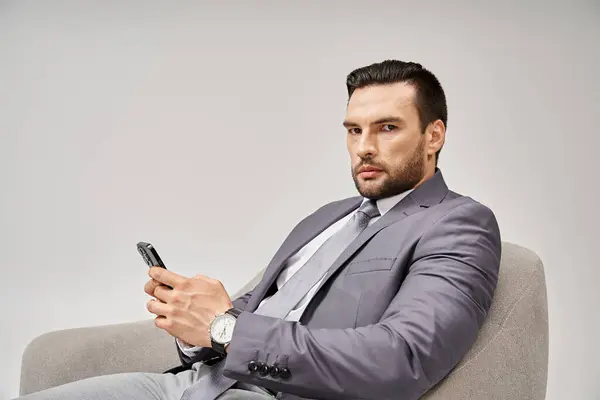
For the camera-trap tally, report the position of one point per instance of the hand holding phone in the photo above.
(150, 256)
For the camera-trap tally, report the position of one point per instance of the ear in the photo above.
(436, 136)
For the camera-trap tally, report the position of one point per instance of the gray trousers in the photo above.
(143, 386)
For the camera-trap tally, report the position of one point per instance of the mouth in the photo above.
(368, 172)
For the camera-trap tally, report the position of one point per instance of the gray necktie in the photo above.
(290, 294)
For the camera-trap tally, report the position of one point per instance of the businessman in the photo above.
(377, 296)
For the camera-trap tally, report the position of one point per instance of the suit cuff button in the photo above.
(284, 373)
(263, 368)
(274, 371)
(252, 366)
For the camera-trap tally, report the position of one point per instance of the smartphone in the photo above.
(150, 255)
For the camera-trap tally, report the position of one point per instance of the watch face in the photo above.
(221, 329)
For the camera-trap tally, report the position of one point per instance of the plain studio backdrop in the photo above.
(211, 128)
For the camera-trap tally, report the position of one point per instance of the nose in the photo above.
(366, 146)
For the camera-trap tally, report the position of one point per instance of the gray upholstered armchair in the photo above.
(508, 361)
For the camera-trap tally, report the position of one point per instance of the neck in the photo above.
(430, 172)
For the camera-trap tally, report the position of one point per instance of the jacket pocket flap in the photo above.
(372, 264)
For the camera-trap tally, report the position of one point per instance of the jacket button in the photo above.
(252, 366)
(263, 368)
(274, 371)
(284, 373)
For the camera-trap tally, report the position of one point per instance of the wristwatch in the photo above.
(221, 329)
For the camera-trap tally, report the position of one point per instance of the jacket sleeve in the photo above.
(207, 354)
(427, 328)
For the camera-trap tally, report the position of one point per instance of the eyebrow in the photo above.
(397, 120)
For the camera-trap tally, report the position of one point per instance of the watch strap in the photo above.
(218, 347)
(234, 311)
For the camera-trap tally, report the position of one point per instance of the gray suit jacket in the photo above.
(396, 311)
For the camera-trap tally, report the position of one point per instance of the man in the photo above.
(372, 297)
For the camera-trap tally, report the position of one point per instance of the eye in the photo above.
(389, 128)
(354, 131)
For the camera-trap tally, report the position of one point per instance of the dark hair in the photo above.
(430, 99)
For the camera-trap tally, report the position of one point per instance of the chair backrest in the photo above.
(509, 359)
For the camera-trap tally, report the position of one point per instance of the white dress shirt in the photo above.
(296, 261)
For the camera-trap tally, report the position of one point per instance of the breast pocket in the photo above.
(370, 265)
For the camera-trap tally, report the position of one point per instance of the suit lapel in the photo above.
(404, 208)
(429, 193)
(306, 231)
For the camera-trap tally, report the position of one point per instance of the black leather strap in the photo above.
(234, 311)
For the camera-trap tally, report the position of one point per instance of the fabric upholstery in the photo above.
(508, 361)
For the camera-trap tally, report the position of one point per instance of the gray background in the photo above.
(211, 128)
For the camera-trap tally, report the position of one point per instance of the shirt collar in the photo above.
(387, 203)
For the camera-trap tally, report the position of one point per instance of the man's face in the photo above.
(385, 141)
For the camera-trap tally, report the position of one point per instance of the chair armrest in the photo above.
(59, 357)
(64, 356)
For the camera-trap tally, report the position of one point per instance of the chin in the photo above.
(370, 191)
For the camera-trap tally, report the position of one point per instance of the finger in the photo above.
(164, 294)
(158, 308)
(166, 277)
(151, 286)
(163, 323)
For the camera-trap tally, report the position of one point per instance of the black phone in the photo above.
(150, 255)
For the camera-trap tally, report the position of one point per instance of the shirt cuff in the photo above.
(186, 349)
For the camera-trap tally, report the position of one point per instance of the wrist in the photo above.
(221, 329)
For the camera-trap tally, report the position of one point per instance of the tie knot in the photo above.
(369, 208)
